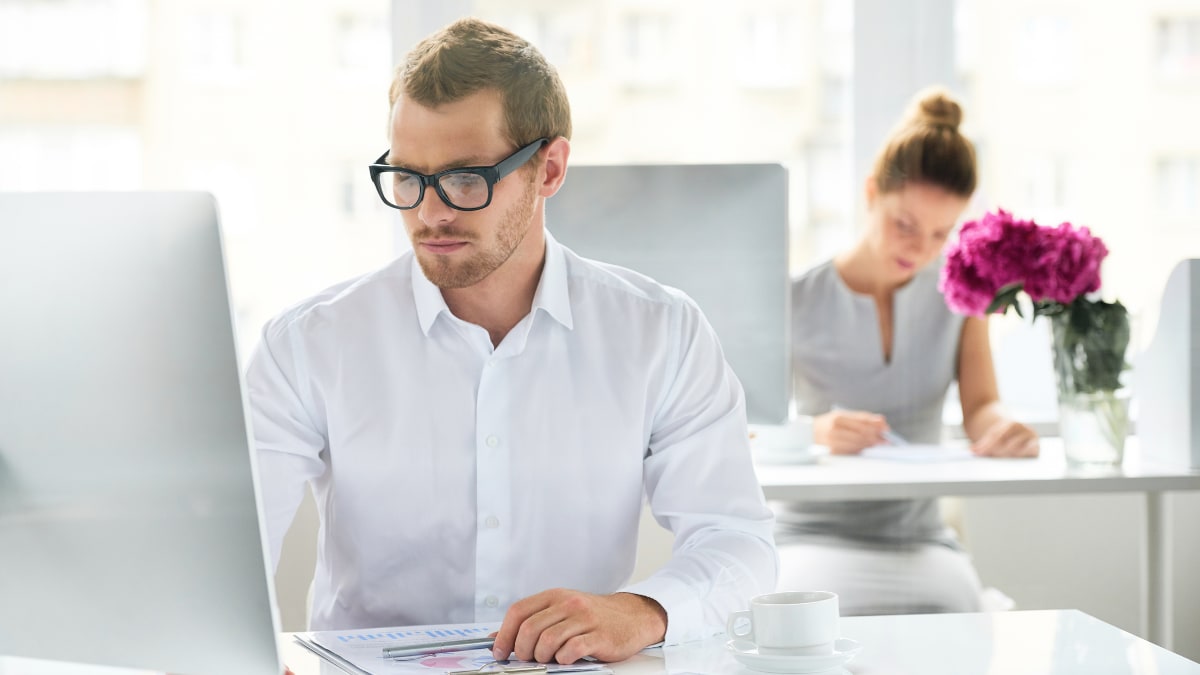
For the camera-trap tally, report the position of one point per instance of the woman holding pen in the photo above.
(874, 351)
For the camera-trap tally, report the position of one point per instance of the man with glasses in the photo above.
(481, 419)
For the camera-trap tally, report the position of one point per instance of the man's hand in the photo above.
(564, 626)
(848, 432)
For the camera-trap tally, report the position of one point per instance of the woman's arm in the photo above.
(992, 432)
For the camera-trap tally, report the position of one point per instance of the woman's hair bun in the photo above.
(936, 107)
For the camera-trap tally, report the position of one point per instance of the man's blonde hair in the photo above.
(470, 56)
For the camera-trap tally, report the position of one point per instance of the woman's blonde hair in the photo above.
(471, 55)
(927, 147)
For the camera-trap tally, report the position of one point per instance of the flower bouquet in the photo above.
(998, 258)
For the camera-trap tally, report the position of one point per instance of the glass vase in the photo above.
(1093, 427)
(1090, 339)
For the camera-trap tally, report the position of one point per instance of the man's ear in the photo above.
(554, 166)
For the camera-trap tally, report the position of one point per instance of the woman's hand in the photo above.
(1007, 438)
(848, 432)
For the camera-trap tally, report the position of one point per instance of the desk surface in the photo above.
(1026, 643)
(834, 478)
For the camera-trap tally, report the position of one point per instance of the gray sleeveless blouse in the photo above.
(837, 361)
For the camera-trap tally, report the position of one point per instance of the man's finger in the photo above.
(506, 637)
(529, 634)
(552, 640)
(576, 648)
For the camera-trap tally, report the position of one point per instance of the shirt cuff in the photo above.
(685, 615)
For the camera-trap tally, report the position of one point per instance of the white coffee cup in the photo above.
(797, 623)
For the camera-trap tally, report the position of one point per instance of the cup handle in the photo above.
(733, 619)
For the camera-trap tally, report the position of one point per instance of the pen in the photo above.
(439, 647)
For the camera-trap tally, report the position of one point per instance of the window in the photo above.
(561, 35)
(1179, 187)
(1179, 48)
(1051, 188)
(271, 152)
(966, 51)
(1044, 51)
(770, 50)
(71, 39)
(647, 50)
(362, 42)
(837, 38)
(214, 44)
(1110, 145)
(99, 157)
(835, 100)
(687, 82)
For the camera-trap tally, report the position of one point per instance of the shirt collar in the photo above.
(428, 297)
(552, 293)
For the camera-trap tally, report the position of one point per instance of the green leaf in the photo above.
(1090, 341)
(1049, 308)
(1006, 297)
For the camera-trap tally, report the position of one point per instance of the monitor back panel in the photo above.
(129, 529)
(718, 232)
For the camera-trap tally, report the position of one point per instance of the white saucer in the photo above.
(746, 652)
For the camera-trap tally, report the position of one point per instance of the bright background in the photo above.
(1083, 110)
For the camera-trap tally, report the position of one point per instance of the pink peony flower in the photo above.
(1072, 264)
(995, 253)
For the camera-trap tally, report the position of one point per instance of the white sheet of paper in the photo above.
(919, 452)
(361, 651)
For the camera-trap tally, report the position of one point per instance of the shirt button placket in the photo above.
(493, 491)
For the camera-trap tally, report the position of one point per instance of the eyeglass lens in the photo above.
(464, 190)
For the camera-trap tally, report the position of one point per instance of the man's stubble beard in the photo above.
(510, 232)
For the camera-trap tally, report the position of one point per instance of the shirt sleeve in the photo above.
(701, 486)
(289, 439)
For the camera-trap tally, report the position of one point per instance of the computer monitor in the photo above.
(129, 524)
(717, 232)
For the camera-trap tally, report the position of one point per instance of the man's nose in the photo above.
(433, 210)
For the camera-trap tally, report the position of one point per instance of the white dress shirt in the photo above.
(453, 478)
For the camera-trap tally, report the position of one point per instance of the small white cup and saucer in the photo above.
(790, 632)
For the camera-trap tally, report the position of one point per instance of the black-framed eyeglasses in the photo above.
(467, 188)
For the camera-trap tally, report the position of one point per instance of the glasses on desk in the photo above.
(467, 188)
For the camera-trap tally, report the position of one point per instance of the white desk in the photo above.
(1017, 643)
(852, 478)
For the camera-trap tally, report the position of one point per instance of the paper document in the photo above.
(360, 652)
(919, 452)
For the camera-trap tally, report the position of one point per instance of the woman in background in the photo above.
(874, 350)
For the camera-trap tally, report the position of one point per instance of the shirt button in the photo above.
(492, 522)
(492, 441)
(491, 601)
